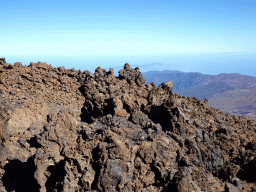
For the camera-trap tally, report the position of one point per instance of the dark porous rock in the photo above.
(2, 60)
(68, 130)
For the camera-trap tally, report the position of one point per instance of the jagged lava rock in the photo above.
(68, 130)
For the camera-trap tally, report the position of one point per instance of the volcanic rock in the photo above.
(68, 130)
(2, 60)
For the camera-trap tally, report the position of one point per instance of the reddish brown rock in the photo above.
(68, 130)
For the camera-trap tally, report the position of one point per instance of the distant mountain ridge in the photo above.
(183, 80)
(233, 93)
(159, 67)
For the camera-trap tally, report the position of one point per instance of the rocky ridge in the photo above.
(68, 130)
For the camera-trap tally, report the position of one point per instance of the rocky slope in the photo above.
(68, 130)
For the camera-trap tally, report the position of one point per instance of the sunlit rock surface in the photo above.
(68, 130)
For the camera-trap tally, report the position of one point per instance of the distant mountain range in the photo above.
(151, 67)
(232, 93)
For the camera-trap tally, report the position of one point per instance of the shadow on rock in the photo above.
(55, 181)
(19, 176)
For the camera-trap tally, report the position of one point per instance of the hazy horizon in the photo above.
(206, 37)
(213, 64)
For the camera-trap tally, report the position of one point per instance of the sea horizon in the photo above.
(206, 63)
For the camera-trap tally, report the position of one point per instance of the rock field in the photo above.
(68, 130)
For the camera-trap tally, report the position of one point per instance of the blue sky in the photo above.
(204, 36)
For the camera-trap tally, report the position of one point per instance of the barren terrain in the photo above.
(68, 130)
